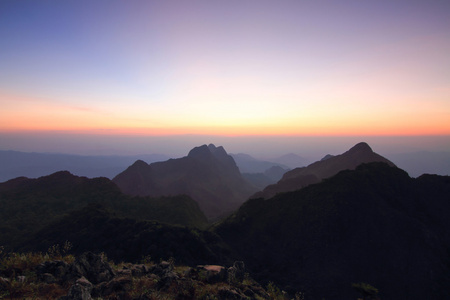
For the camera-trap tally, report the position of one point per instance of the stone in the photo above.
(92, 267)
(212, 273)
(226, 293)
(161, 268)
(236, 273)
(53, 271)
(117, 285)
(81, 290)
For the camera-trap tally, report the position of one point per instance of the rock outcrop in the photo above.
(92, 277)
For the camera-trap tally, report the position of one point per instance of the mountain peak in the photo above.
(218, 152)
(200, 151)
(207, 174)
(327, 167)
(140, 163)
(361, 147)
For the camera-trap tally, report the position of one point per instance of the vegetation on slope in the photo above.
(95, 229)
(27, 205)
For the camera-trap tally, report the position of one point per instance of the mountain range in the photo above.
(362, 220)
(207, 174)
(327, 167)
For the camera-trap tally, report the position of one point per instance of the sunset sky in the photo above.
(226, 68)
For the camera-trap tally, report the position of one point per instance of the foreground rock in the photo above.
(90, 276)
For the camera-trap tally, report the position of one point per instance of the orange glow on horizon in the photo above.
(20, 114)
(234, 131)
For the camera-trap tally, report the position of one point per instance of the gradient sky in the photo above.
(228, 68)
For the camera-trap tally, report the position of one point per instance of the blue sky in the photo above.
(225, 68)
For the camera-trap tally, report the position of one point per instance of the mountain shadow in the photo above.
(374, 225)
(327, 167)
(207, 174)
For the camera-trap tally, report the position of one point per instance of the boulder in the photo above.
(53, 271)
(162, 268)
(212, 273)
(93, 267)
(81, 290)
(117, 285)
(236, 273)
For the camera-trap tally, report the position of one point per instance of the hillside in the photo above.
(27, 205)
(207, 174)
(93, 228)
(325, 168)
(374, 224)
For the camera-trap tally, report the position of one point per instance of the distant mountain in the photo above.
(374, 225)
(32, 165)
(424, 162)
(208, 174)
(292, 160)
(327, 167)
(249, 164)
(27, 205)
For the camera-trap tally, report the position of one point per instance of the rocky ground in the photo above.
(91, 276)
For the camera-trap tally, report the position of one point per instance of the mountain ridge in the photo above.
(315, 172)
(208, 174)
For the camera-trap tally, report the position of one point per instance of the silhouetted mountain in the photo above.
(27, 205)
(249, 164)
(33, 165)
(327, 157)
(315, 172)
(374, 224)
(208, 174)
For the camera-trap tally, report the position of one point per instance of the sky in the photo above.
(95, 73)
